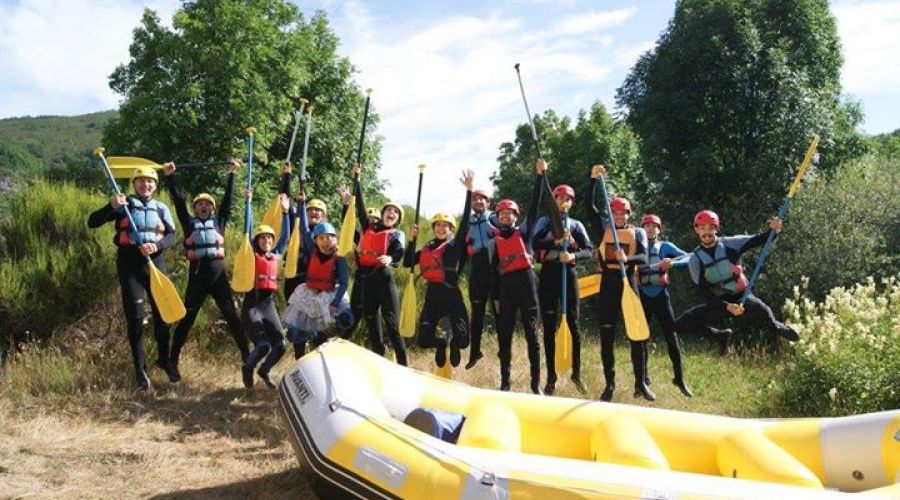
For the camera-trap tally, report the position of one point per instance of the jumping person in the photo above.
(716, 269)
(311, 213)
(320, 301)
(654, 286)
(556, 260)
(356, 302)
(380, 250)
(632, 252)
(440, 261)
(518, 290)
(204, 244)
(258, 312)
(156, 229)
(482, 276)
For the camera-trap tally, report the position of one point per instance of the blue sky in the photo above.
(442, 72)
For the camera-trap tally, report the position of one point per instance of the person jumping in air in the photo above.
(716, 269)
(258, 312)
(311, 213)
(482, 277)
(440, 261)
(518, 290)
(204, 244)
(654, 286)
(157, 231)
(556, 260)
(356, 301)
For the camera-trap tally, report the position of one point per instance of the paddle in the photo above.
(244, 263)
(632, 312)
(409, 306)
(348, 225)
(782, 212)
(589, 285)
(555, 217)
(122, 167)
(272, 216)
(294, 244)
(162, 291)
(563, 340)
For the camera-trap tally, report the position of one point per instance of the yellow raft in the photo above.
(345, 409)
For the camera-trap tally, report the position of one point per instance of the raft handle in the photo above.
(488, 479)
(334, 405)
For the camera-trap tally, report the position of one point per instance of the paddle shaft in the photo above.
(362, 133)
(565, 247)
(612, 223)
(135, 235)
(298, 114)
(249, 196)
(305, 147)
(418, 204)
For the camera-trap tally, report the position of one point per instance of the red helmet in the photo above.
(482, 193)
(564, 189)
(651, 219)
(619, 204)
(706, 217)
(507, 205)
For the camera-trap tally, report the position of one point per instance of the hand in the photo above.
(234, 165)
(598, 171)
(775, 224)
(665, 264)
(286, 167)
(620, 255)
(285, 202)
(169, 168)
(565, 236)
(344, 193)
(117, 200)
(248, 193)
(566, 257)
(385, 260)
(148, 249)
(300, 197)
(540, 166)
(414, 230)
(357, 169)
(468, 179)
(735, 309)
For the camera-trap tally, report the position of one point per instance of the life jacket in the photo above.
(723, 275)
(432, 263)
(651, 277)
(148, 217)
(205, 240)
(374, 244)
(266, 272)
(321, 275)
(552, 255)
(606, 250)
(511, 252)
(480, 233)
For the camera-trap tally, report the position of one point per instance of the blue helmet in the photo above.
(323, 228)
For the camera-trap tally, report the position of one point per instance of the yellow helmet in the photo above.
(317, 203)
(393, 205)
(263, 229)
(442, 217)
(373, 212)
(205, 197)
(148, 172)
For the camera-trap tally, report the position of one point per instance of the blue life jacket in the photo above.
(724, 276)
(480, 233)
(653, 277)
(205, 241)
(148, 217)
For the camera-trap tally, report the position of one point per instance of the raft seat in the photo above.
(621, 440)
(749, 454)
(491, 425)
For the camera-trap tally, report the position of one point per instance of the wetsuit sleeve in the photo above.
(395, 247)
(640, 248)
(285, 184)
(360, 205)
(586, 249)
(304, 219)
(757, 240)
(101, 216)
(225, 209)
(285, 235)
(411, 256)
(342, 269)
(532, 211)
(594, 213)
(671, 251)
(168, 240)
(464, 220)
(539, 241)
(180, 205)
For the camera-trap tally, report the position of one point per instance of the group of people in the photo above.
(500, 247)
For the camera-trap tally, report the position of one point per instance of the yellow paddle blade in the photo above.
(244, 266)
(165, 296)
(122, 167)
(633, 314)
(589, 285)
(408, 310)
(445, 371)
(293, 251)
(563, 341)
(272, 217)
(348, 226)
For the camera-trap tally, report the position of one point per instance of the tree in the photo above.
(190, 92)
(570, 151)
(726, 103)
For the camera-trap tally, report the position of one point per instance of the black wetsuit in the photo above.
(483, 278)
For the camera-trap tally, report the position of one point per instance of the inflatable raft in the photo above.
(369, 428)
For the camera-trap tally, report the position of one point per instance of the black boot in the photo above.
(536, 387)
(265, 376)
(682, 386)
(789, 333)
(473, 358)
(641, 389)
(550, 386)
(440, 356)
(724, 338)
(504, 384)
(144, 384)
(454, 353)
(610, 386)
(173, 373)
(247, 375)
(579, 385)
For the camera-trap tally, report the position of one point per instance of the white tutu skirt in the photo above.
(308, 310)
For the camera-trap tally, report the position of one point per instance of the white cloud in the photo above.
(870, 35)
(593, 21)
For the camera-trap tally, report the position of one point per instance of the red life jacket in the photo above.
(374, 244)
(511, 253)
(320, 275)
(266, 272)
(606, 250)
(432, 263)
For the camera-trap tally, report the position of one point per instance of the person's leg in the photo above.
(695, 321)
(459, 325)
(272, 325)
(662, 305)
(608, 311)
(506, 322)
(638, 356)
(573, 313)
(549, 300)
(221, 292)
(133, 305)
(757, 310)
(194, 297)
(370, 310)
(390, 312)
(479, 296)
(530, 312)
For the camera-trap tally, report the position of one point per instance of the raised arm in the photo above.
(360, 203)
(531, 217)
(184, 217)
(225, 209)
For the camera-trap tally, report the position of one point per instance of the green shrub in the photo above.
(848, 356)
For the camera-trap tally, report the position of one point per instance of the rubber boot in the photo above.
(454, 353)
(610, 388)
(640, 372)
(504, 374)
(788, 333)
(440, 356)
(172, 371)
(143, 383)
(579, 385)
(473, 358)
(724, 338)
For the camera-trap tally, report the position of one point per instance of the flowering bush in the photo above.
(848, 358)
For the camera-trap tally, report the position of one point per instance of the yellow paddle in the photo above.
(445, 371)
(295, 242)
(162, 291)
(348, 226)
(122, 167)
(244, 263)
(589, 285)
(563, 340)
(632, 312)
(409, 307)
